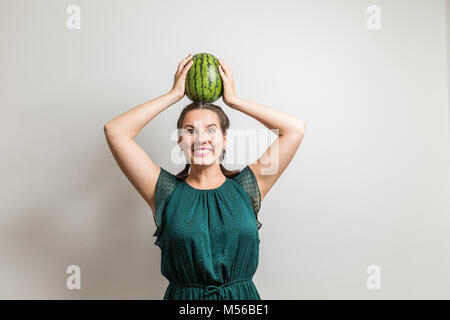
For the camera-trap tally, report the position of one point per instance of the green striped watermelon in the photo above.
(203, 81)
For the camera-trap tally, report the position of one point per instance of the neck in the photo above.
(205, 176)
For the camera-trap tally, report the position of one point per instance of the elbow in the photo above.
(108, 130)
(113, 132)
(300, 127)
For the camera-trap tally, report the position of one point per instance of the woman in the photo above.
(205, 216)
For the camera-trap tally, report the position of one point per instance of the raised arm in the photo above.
(269, 167)
(121, 131)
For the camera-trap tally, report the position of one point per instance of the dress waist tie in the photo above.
(211, 289)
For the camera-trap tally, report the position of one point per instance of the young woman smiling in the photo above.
(206, 216)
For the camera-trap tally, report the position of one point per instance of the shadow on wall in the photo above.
(93, 218)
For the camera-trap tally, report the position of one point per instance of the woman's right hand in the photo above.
(180, 77)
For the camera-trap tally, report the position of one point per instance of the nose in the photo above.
(201, 138)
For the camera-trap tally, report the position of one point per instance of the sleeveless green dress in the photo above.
(208, 238)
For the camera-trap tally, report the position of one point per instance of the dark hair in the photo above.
(224, 123)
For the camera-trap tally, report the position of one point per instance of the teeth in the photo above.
(203, 152)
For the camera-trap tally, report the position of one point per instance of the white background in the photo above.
(369, 185)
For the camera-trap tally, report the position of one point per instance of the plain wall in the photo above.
(447, 5)
(368, 186)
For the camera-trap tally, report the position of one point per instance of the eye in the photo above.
(213, 129)
(189, 131)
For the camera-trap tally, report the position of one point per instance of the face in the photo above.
(201, 138)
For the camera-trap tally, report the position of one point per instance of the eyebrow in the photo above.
(209, 125)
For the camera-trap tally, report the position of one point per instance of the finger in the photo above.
(227, 68)
(189, 56)
(184, 62)
(222, 73)
(188, 66)
(223, 62)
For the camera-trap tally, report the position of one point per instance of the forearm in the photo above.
(130, 123)
(269, 117)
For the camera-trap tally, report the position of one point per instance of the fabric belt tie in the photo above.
(220, 290)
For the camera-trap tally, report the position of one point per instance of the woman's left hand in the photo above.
(229, 93)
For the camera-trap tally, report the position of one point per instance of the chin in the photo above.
(204, 161)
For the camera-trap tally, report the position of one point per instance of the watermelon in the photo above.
(203, 80)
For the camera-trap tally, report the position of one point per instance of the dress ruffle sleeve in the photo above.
(165, 185)
(247, 180)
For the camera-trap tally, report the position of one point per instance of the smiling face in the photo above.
(201, 137)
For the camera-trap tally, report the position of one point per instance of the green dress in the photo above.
(208, 238)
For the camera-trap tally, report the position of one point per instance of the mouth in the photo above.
(202, 152)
